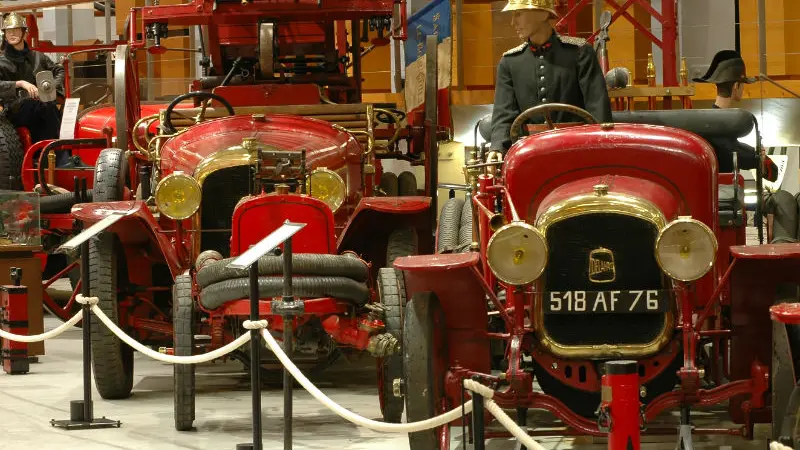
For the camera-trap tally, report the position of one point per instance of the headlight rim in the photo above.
(531, 228)
(705, 228)
(337, 177)
(163, 182)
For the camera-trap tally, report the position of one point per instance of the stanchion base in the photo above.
(76, 425)
(244, 446)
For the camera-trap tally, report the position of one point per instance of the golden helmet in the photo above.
(544, 5)
(13, 20)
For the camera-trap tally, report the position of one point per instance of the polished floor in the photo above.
(28, 402)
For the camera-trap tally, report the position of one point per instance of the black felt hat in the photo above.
(727, 66)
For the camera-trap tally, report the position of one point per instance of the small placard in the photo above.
(88, 233)
(69, 118)
(266, 245)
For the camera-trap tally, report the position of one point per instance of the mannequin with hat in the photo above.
(18, 92)
(545, 68)
(729, 73)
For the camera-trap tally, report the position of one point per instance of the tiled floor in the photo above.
(28, 402)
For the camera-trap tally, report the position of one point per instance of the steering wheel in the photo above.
(546, 109)
(168, 128)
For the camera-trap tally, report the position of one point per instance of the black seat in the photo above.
(707, 123)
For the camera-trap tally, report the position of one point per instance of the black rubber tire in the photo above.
(388, 184)
(449, 225)
(392, 295)
(401, 242)
(423, 348)
(465, 227)
(11, 155)
(183, 374)
(407, 184)
(112, 360)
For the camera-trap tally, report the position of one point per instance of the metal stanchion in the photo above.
(478, 422)
(288, 308)
(81, 412)
(255, 363)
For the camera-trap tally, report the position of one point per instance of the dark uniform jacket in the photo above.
(563, 70)
(746, 156)
(24, 65)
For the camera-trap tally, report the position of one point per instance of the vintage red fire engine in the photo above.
(262, 143)
(606, 242)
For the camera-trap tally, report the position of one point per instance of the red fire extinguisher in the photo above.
(620, 413)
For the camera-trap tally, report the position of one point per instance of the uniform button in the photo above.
(541, 56)
(542, 90)
(544, 99)
(541, 78)
(541, 67)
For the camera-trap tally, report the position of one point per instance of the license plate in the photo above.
(606, 302)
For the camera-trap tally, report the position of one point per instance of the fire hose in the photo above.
(485, 392)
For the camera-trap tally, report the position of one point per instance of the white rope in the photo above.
(91, 301)
(374, 425)
(172, 359)
(255, 324)
(778, 446)
(44, 336)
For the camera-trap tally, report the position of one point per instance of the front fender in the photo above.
(453, 278)
(137, 229)
(374, 218)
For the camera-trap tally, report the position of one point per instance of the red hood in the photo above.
(672, 168)
(325, 145)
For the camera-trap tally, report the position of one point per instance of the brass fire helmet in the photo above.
(14, 20)
(544, 5)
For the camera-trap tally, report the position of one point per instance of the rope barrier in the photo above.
(172, 359)
(350, 416)
(487, 393)
(44, 336)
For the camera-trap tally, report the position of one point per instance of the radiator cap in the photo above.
(601, 189)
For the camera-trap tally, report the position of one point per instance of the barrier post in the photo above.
(249, 260)
(14, 319)
(288, 308)
(81, 412)
(620, 413)
(477, 422)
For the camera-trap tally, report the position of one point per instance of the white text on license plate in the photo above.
(606, 302)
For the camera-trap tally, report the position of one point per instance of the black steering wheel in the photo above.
(546, 109)
(167, 124)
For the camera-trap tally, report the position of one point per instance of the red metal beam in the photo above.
(667, 18)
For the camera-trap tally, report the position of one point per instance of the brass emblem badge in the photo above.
(601, 266)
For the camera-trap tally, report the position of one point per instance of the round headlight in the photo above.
(517, 253)
(328, 186)
(178, 196)
(686, 249)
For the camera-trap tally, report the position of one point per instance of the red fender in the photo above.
(137, 229)
(368, 229)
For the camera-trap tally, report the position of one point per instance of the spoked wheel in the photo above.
(112, 360)
(424, 364)
(183, 374)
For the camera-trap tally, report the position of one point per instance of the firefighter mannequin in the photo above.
(546, 68)
(18, 92)
(729, 73)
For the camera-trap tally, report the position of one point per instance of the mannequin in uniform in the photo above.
(546, 68)
(18, 92)
(729, 73)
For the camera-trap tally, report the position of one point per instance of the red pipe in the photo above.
(620, 406)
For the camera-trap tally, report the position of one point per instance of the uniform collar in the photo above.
(542, 49)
